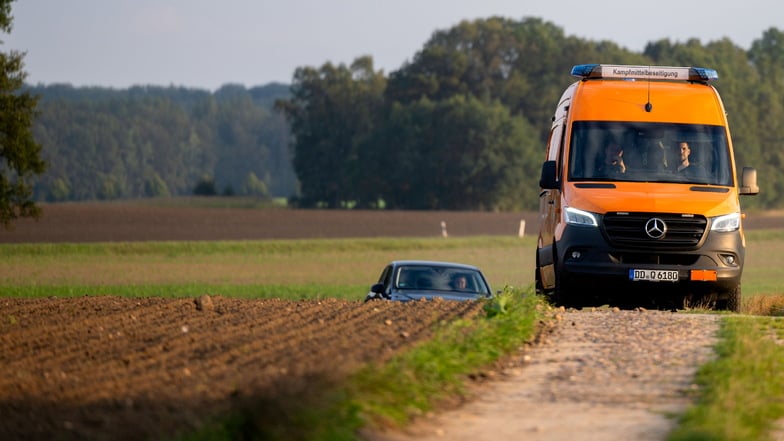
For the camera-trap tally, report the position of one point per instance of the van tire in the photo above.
(548, 293)
(538, 277)
(562, 298)
(731, 302)
(563, 294)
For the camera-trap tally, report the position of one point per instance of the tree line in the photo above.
(105, 144)
(462, 126)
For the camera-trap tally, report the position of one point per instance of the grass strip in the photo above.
(393, 393)
(253, 247)
(741, 390)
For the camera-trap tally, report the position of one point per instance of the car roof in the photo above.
(437, 263)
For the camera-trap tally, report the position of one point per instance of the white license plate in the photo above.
(653, 275)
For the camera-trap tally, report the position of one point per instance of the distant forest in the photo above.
(462, 126)
(105, 144)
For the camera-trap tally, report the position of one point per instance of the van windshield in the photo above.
(649, 152)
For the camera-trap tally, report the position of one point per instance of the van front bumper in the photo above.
(584, 254)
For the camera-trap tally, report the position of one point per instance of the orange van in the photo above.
(639, 193)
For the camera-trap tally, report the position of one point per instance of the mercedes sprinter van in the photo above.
(639, 192)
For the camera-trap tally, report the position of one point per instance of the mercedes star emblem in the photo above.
(655, 228)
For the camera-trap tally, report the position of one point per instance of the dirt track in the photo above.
(109, 368)
(603, 375)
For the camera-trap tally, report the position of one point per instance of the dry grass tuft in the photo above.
(764, 304)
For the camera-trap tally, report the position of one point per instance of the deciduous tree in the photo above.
(20, 155)
(332, 111)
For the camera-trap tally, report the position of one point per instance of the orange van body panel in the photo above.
(652, 198)
(625, 101)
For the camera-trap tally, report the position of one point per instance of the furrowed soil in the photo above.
(110, 368)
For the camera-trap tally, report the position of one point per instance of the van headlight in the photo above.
(573, 216)
(726, 223)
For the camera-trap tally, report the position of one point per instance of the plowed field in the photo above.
(109, 368)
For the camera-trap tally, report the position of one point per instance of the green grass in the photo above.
(764, 260)
(743, 389)
(262, 247)
(319, 266)
(277, 268)
(391, 394)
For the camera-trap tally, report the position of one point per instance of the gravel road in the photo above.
(602, 374)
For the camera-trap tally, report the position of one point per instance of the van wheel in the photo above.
(549, 294)
(538, 276)
(562, 298)
(730, 300)
(563, 294)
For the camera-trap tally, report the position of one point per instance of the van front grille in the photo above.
(628, 230)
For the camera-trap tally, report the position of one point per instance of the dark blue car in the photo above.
(404, 280)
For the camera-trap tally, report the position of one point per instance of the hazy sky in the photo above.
(206, 44)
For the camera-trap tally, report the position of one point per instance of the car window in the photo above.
(386, 277)
(467, 281)
(419, 277)
(407, 277)
(441, 278)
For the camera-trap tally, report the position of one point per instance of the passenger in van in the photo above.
(684, 166)
(613, 164)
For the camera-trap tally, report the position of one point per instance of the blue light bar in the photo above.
(706, 74)
(583, 70)
(627, 72)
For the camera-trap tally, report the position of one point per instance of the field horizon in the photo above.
(147, 221)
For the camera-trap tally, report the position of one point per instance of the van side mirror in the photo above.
(748, 181)
(548, 179)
